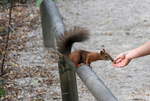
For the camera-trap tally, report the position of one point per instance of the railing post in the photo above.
(53, 28)
(68, 81)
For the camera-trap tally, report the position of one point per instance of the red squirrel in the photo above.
(79, 56)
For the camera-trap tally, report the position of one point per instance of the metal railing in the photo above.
(53, 28)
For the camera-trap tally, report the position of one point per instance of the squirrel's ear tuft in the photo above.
(104, 50)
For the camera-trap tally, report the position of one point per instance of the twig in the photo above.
(7, 39)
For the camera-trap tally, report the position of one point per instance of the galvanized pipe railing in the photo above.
(53, 28)
(95, 84)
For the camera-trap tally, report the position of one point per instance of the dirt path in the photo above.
(115, 25)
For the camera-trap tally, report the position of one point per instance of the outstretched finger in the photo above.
(118, 60)
(121, 56)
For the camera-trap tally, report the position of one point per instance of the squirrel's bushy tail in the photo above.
(77, 34)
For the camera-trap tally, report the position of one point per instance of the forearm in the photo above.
(140, 51)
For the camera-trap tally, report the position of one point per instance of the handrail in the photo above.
(53, 28)
(95, 85)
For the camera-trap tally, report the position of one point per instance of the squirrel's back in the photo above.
(77, 34)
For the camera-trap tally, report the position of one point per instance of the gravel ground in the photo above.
(115, 25)
(118, 26)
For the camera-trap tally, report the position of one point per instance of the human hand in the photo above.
(121, 60)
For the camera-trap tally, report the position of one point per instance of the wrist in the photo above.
(129, 55)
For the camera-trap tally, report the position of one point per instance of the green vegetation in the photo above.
(38, 3)
(2, 92)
